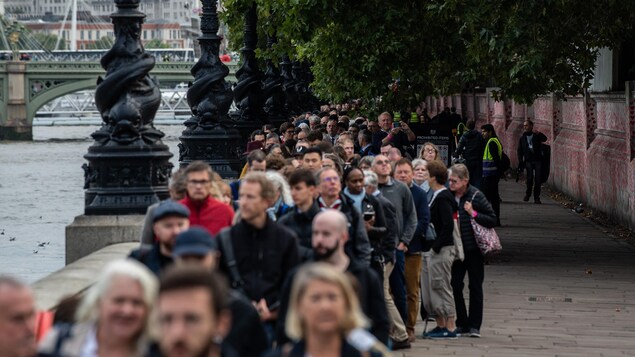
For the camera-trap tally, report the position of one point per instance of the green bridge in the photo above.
(27, 86)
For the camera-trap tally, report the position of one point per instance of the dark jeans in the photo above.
(534, 178)
(490, 190)
(475, 268)
(398, 285)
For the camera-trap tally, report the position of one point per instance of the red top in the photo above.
(210, 214)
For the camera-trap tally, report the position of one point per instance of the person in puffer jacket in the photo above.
(472, 204)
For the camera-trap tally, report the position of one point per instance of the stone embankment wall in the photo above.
(592, 140)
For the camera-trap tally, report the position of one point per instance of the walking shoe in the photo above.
(443, 334)
(474, 332)
(400, 345)
(526, 198)
(537, 201)
(433, 331)
(411, 336)
(462, 332)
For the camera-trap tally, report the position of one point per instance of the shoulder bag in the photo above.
(459, 254)
(486, 238)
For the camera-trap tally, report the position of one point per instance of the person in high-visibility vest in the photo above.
(491, 162)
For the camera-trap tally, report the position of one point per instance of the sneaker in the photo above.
(526, 198)
(462, 332)
(433, 331)
(400, 345)
(474, 332)
(443, 334)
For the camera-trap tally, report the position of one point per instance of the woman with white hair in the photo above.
(112, 319)
(283, 195)
(324, 314)
(421, 176)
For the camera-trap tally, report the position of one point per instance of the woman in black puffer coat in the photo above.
(472, 204)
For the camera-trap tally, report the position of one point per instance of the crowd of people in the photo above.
(336, 241)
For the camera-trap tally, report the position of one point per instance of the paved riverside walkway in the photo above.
(561, 287)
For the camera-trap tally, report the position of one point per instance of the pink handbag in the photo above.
(486, 238)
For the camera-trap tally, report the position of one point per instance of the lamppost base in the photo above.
(220, 147)
(126, 179)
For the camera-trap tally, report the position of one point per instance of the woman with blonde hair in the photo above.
(324, 313)
(112, 319)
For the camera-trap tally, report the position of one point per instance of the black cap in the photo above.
(169, 208)
(194, 241)
(300, 150)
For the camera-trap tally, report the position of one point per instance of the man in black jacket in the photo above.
(471, 146)
(330, 234)
(331, 197)
(530, 157)
(169, 219)
(303, 189)
(264, 252)
(196, 246)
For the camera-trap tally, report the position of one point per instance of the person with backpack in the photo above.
(530, 158)
(471, 146)
(258, 253)
(492, 167)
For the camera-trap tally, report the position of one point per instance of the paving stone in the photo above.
(548, 252)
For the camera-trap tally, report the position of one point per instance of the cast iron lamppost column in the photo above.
(248, 92)
(128, 165)
(273, 91)
(289, 87)
(209, 135)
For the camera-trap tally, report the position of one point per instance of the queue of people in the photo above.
(335, 242)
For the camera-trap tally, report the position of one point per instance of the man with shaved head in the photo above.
(17, 319)
(330, 233)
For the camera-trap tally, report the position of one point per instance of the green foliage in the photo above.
(47, 42)
(103, 43)
(393, 53)
(156, 43)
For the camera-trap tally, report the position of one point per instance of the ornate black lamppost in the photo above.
(209, 135)
(273, 91)
(289, 87)
(248, 92)
(128, 165)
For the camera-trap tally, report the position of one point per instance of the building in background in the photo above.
(173, 11)
(89, 34)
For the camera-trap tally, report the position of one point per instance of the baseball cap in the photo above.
(194, 241)
(169, 208)
(299, 151)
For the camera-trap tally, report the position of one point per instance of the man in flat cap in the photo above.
(169, 219)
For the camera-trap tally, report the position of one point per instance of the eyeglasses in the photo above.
(332, 179)
(431, 150)
(454, 180)
(382, 162)
(290, 131)
(198, 182)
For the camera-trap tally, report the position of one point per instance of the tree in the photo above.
(402, 50)
(156, 43)
(47, 42)
(103, 43)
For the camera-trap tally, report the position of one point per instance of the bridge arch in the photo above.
(25, 87)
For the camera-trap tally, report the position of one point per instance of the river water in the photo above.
(41, 192)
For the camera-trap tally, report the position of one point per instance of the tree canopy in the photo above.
(403, 50)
